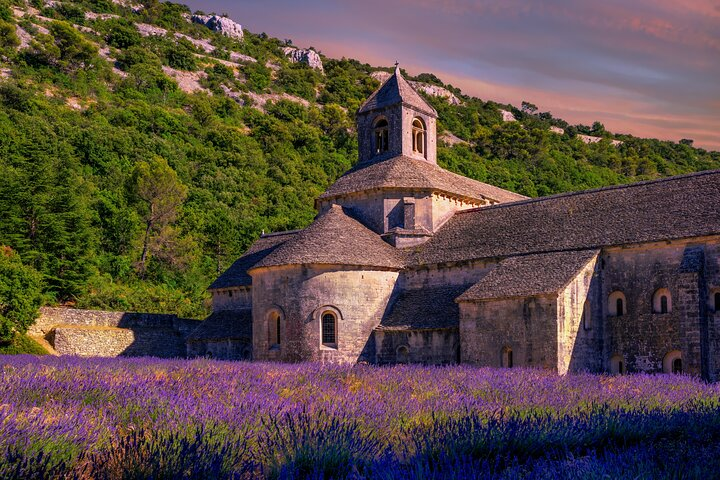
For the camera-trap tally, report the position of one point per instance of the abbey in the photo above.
(407, 262)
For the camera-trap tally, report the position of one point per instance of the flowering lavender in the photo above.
(149, 418)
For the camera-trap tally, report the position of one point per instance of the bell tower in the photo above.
(396, 121)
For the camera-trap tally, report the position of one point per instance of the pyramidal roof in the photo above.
(408, 172)
(335, 238)
(394, 91)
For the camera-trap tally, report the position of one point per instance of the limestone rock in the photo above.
(304, 55)
(223, 25)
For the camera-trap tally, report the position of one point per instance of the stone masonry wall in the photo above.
(110, 334)
(234, 298)
(302, 294)
(690, 270)
(429, 347)
(578, 341)
(526, 325)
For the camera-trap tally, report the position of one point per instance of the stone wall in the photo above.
(301, 294)
(527, 326)
(227, 349)
(689, 270)
(429, 347)
(231, 298)
(578, 338)
(110, 334)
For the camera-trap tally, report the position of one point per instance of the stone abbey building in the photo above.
(407, 262)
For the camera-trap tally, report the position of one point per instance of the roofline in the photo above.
(597, 251)
(601, 248)
(591, 191)
(296, 264)
(278, 234)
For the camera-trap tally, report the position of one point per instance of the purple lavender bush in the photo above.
(181, 419)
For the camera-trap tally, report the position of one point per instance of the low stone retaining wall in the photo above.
(111, 334)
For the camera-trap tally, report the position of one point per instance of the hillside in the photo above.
(142, 151)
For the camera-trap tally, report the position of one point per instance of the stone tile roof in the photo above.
(406, 172)
(424, 309)
(396, 90)
(529, 275)
(223, 325)
(236, 275)
(335, 238)
(671, 208)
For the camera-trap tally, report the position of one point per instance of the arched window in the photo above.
(507, 357)
(402, 354)
(617, 306)
(661, 302)
(587, 315)
(617, 365)
(329, 329)
(274, 332)
(672, 362)
(418, 136)
(382, 136)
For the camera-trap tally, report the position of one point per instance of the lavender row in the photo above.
(149, 418)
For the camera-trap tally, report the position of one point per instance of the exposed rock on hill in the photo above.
(304, 55)
(223, 25)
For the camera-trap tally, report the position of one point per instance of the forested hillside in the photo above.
(141, 152)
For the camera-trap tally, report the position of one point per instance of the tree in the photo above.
(20, 294)
(8, 37)
(528, 108)
(65, 48)
(159, 187)
(686, 141)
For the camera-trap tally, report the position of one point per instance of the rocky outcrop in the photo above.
(306, 55)
(223, 25)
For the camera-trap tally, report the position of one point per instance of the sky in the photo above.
(647, 68)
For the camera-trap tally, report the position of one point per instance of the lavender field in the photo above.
(149, 418)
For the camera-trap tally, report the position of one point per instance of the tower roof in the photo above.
(411, 173)
(396, 90)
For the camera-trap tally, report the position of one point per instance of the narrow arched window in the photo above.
(717, 301)
(617, 365)
(329, 329)
(587, 315)
(672, 363)
(418, 136)
(677, 365)
(274, 333)
(382, 136)
(402, 354)
(507, 357)
(616, 305)
(662, 301)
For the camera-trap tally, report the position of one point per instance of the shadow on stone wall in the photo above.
(112, 334)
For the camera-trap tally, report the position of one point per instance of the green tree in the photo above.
(159, 187)
(64, 48)
(20, 295)
(8, 37)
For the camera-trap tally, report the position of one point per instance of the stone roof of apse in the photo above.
(403, 172)
(529, 275)
(396, 90)
(236, 275)
(424, 309)
(225, 324)
(671, 208)
(335, 238)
